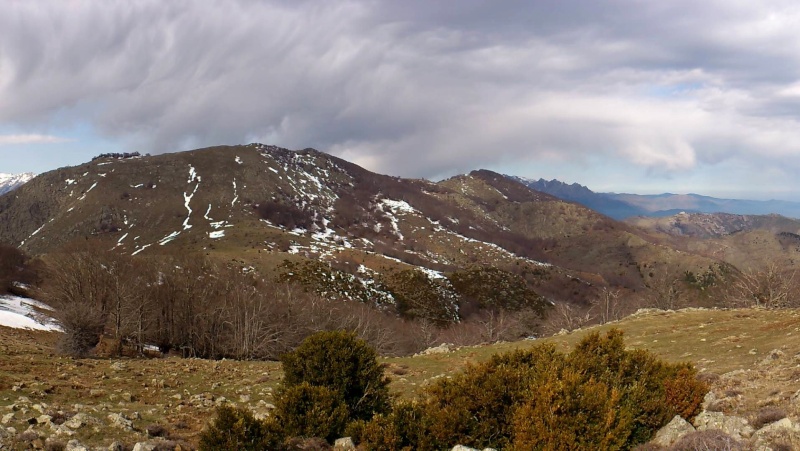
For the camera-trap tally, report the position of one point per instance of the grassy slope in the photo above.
(716, 341)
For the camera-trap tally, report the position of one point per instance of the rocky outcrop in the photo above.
(736, 427)
(674, 431)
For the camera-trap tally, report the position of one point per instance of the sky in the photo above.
(625, 96)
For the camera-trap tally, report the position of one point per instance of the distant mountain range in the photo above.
(9, 182)
(621, 206)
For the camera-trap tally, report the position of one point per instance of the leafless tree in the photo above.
(607, 305)
(568, 317)
(771, 287)
(665, 291)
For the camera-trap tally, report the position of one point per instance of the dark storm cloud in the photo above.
(420, 88)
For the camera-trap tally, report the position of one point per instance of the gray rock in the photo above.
(120, 421)
(736, 427)
(119, 366)
(60, 429)
(116, 446)
(784, 429)
(43, 419)
(463, 448)
(80, 420)
(74, 445)
(144, 446)
(7, 418)
(344, 444)
(673, 431)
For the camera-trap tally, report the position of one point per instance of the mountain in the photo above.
(744, 241)
(622, 206)
(9, 182)
(600, 202)
(658, 204)
(717, 225)
(262, 205)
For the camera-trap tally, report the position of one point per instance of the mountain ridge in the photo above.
(261, 205)
(621, 206)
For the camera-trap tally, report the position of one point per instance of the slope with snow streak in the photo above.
(21, 313)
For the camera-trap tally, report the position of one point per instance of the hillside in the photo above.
(744, 241)
(261, 205)
(746, 354)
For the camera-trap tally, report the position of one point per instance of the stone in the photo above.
(80, 420)
(120, 421)
(119, 366)
(673, 431)
(443, 348)
(463, 448)
(74, 445)
(7, 418)
(127, 397)
(116, 446)
(736, 427)
(785, 429)
(144, 446)
(344, 444)
(43, 419)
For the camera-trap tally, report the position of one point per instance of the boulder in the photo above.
(673, 431)
(80, 420)
(785, 430)
(120, 421)
(344, 444)
(736, 427)
(144, 446)
(74, 445)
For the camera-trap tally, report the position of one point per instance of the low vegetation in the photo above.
(599, 396)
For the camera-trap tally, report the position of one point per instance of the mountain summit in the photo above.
(10, 182)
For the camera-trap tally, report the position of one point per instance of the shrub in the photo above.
(600, 396)
(707, 440)
(344, 364)
(311, 411)
(237, 429)
(768, 415)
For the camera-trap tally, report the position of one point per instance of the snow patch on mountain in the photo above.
(10, 182)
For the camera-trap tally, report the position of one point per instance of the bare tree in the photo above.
(77, 286)
(666, 291)
(608, 305)
(771, 287)
(564, 316)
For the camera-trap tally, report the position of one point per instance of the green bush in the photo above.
(600, 396)
(311, 411)
(237, 429)
(344, 364)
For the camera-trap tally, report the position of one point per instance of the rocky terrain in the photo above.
(750, 358)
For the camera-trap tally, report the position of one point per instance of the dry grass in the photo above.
(733, 348)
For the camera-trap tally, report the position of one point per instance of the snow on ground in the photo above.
(20, 313)
(217, 234)
(398, 206)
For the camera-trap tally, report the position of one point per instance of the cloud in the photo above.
(417, 88)
(30, 139)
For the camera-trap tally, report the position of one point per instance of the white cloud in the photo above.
(417, 88)
(30, 139)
